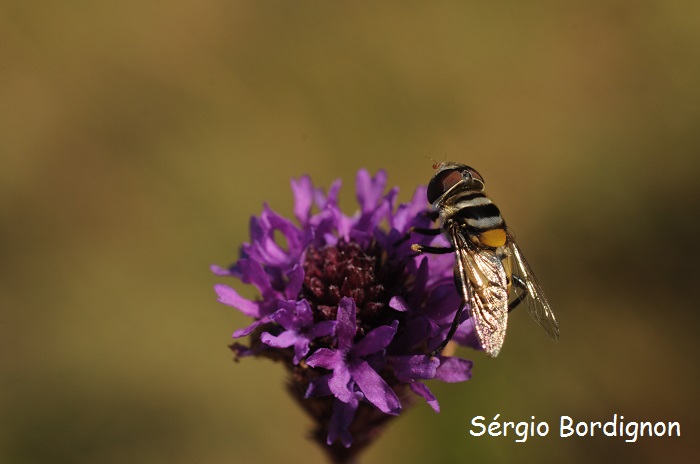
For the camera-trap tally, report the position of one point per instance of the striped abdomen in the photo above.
(482, 220)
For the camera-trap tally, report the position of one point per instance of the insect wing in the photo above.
(537, 304)
(484, 282)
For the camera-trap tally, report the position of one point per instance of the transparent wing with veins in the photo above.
(483, 283)
(537, 304)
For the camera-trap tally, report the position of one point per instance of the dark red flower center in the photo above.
(349, 270)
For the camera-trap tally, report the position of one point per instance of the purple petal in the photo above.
(286, 314)
(220, 271)
(253, 273)
(344, 225)
(454, 369)
(367, 224)
(287, 228)
(320, 199)
(324, 221)
(293, 315)
(418, 200)
(303, 191)
(441, 268)
(230, 297)
(340, 383)
(255, 229)
(390, 199)
(241, 351)
(406, 212)
(247, 330)
(413, 335)
(301, 348)
(411, 367)
(324, 201)
(371, 220)
(369, 189)
(376, 340)
(422, 390)
(343, 415)
(363, 190)
(266, 251)
(375, 389)
(323, 329)
(400, 219)
(422, 274)
(466, 335)
(384, 208)
(323, 228)
(326, 358)
(262, 247)
(283, 340)
(318, 387)
(304, 313)
(399, 304)
(295, 279)
(332, 197)
(443, 303)
(346, 328)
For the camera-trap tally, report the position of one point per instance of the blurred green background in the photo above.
(137, 138)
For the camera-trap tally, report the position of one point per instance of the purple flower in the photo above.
(349, 364)
(348, 307)
(297, 322)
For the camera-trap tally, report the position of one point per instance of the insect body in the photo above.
(488, 261)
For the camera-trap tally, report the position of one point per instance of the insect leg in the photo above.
(418, 230)
(431, 249)
(518, 282)
(432, 215)
(451, 333)
(426, 231)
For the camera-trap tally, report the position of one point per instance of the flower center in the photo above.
(365, 274)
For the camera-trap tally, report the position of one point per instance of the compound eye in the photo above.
(442, 182)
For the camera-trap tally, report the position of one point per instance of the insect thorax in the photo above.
(479, 219)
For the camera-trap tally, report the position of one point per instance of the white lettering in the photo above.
(476, 423)
(567, 427)
(494, 426)
(631, 431)
(522, 433)
(617, 427)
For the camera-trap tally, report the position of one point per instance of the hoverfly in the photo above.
(488, 262)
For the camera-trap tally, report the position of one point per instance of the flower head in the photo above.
(348, 307)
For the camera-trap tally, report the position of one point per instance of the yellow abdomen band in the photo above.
(493, 238)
